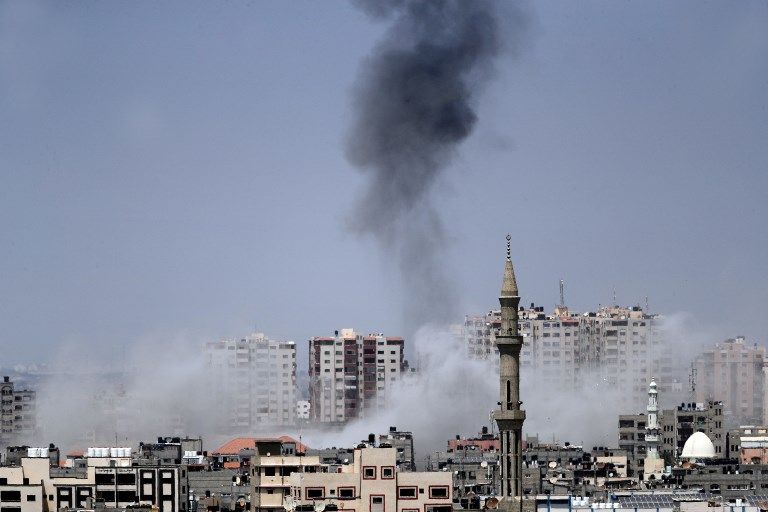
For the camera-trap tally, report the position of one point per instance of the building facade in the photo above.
(18, 417)
(733, 372)
(621, 348)
(254, 381)
(350, 373)
(112, 476)
(371, 483)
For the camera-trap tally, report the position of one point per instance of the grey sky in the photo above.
(177, 169)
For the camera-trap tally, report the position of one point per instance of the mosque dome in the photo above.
(698, 446)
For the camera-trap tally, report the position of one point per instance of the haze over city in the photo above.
(383, 256)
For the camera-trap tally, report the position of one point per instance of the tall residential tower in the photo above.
(509, 417)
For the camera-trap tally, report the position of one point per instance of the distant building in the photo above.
(733, 372)
(620, 347)
(18, 417)
(402, 442)
(254, 381)
(350, 374)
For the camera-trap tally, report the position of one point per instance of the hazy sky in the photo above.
(178, 169)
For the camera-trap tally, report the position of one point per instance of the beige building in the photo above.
(371, 483)
(732, 372)
(108, 474)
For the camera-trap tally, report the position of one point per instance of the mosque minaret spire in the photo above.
(510, 416)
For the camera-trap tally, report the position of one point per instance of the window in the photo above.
(105, 478)
(315, 493)
(11, 496)
(369, 472)
(438, 508)
(346, 492)
(31, 497)
(126, 496)
(126, 479)
(269, 471)
(387, 472)
(377, 500)
(438, 491)
(407, 493)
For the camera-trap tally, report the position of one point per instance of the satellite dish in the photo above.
(492, 503)
(484, 464)
(553, 464)
(319, 506)
(553, 480)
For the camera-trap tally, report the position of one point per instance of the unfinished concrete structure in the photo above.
(509, 417)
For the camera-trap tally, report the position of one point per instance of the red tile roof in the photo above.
(234, 446)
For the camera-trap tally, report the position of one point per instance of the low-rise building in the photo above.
(372, 483)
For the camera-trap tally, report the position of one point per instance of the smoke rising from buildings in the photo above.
(414, 104)
(453, 394)
(158, 387)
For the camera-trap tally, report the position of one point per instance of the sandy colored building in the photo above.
(371, 483)
(107, 474)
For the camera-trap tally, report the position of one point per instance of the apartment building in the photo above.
(733, 372)
(254, 381)
(621, 348)
(402, 442)
(350, 373)
(110, 475)
(17, 414)
(371, 483)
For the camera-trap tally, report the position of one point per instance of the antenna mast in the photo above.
(562, 293)
(692, 381)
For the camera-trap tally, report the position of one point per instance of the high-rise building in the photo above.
(350, 374)
(622, 348)
(17, 414)
(254, 381)
(732, 371)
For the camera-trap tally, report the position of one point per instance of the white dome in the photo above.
(698, 446)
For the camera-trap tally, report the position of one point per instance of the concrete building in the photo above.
(678, 424)
(509, 416)
(18, 415)
(402, 442)
(112, 476)
(350, 373)
(632, 439)
(254, 382)
(622, 348)
(733, 372)
(674, 427)
(371, 484)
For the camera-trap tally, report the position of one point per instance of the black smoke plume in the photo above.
(414, 104)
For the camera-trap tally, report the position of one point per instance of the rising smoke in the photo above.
(414, 103)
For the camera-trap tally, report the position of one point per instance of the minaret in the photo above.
(509, 417)
(653, 466)
(652, 423)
